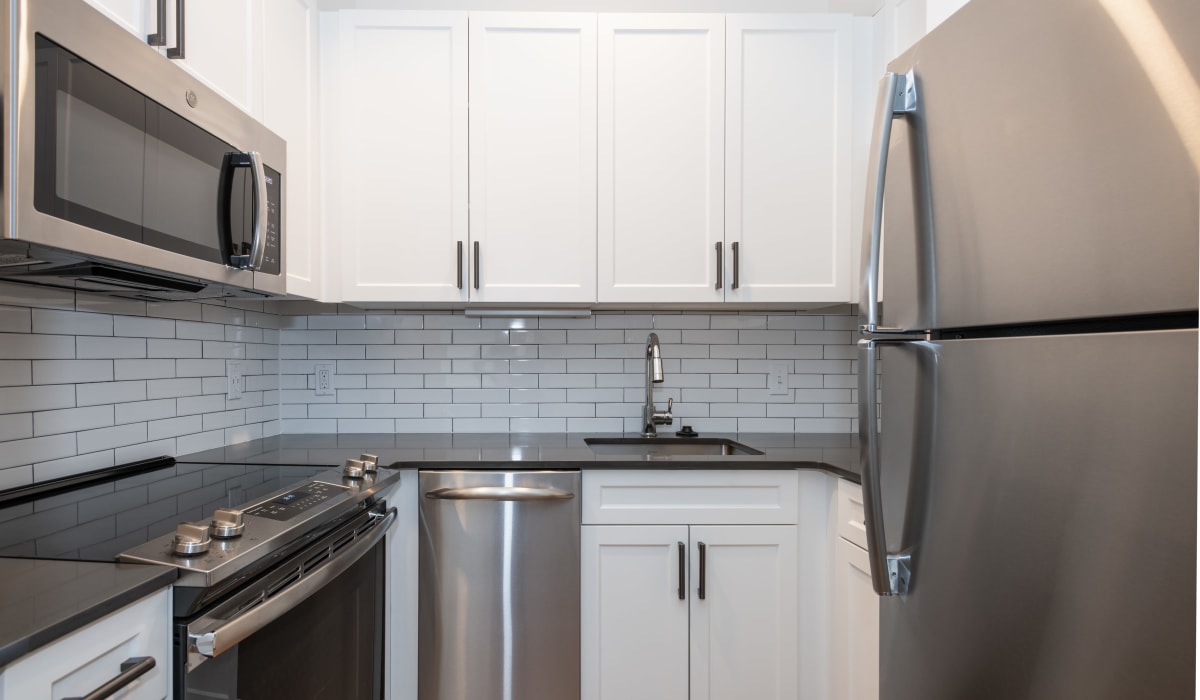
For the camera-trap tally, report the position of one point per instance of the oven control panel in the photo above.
(288, 505)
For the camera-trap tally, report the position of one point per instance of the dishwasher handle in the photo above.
(500, 493)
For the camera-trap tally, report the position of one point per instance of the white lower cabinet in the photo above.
(689, 611)
(81, 662)
(854, 632)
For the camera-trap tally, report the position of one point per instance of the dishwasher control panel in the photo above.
(288, 505)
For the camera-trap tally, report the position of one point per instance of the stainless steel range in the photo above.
(281, 569)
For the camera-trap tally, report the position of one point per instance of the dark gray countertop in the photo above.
(43, 600)
(834, 453)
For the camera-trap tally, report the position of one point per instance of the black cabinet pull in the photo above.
(477, 265)
(177, 51)
(734, 246)
(720, 266)
(460, 280)
(703, 549)
(159, 37)
(682, 571)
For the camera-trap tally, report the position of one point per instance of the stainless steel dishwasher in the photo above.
(499, 585)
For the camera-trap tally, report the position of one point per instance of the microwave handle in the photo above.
(258, 250)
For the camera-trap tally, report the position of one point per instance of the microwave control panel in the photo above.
(274, 251)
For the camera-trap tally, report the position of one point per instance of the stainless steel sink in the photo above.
(668, 446)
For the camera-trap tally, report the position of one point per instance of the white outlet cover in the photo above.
(236, 381)
(323, 379)
(777, 378)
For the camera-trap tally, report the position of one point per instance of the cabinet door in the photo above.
(855, 629)
(745, 631)
(788, 207)
(634, 622)
(399, 145)
(88, 658)
(661, 162)
(533, 156)
(222, 46)
(135, 16)
(290, 110)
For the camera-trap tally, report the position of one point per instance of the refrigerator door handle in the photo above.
(897, 97)
(890, 573)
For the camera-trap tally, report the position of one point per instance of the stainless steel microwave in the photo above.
(124, 174)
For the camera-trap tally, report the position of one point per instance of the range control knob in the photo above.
(191, 539)
(354, 469)
(227, 523)
(370, 462)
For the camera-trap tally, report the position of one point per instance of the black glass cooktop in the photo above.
(96, 516)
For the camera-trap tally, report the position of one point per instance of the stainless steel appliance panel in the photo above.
(1062, 166)
(1045, 488)
(86, 32)
(499, 585)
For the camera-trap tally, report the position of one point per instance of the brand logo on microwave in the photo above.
(270, 181)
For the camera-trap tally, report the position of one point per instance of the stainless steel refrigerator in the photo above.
(1028, 372)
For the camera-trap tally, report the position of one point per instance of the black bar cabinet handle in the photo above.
(734, 246)
(159, 37)
(177, 51)
(476, 265)
(131, 669)
(703, 549)
(460, 280)
(720, 266)
(682, 571)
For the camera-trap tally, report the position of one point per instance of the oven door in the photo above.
(311, 628)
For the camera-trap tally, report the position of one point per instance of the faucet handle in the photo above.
(664, 418)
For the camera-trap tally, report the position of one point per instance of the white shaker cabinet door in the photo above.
(397, 143)
(533, 157)
(222, 45)
(634, 621)
(138, 17)
(788, 185)
(661, 157)
(855, 629)
(745, 631)
(290, 106)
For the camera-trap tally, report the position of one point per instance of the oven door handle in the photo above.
(225, 637)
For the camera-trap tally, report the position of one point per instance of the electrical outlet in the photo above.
(777, 378)
(324, 379)
(236, 381)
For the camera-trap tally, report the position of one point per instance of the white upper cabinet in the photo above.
(533, 157)
(290, 108)
(788, 207)
(135, 16)
(397, 151)
(222, 45)
(661, 157)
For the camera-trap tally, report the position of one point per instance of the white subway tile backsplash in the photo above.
(63, 322)
(139, 411)
(32, 346)
(338, 322)
(89, 347)
(71, 371)
(138, 327)
(211, 313)
(395, 410)
(70, 420)
(16, 426)
(454, 352)
(172, 348)
(106, 438)
(144, 369)
(365, 337)
(109, 392)
(394, 352)
(37, 449)
(190, 330)
(407, 321)
(506, 381)
(174, 427)
(448, 410)
(20, 399)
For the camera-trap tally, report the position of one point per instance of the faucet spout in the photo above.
(651, 418)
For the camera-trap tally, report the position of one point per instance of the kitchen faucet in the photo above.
(654, 375)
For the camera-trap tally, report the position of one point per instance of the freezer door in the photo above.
(1045, 488)
(1043, 174)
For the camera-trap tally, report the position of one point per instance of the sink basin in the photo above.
(668, 446)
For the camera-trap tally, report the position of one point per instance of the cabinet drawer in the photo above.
(679, 497)
(90, 657)
(851, 516)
